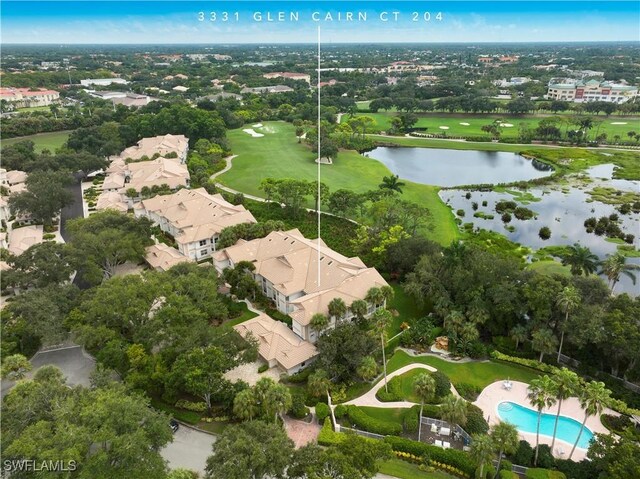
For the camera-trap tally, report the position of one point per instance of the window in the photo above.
(204, 252)
(203, 242)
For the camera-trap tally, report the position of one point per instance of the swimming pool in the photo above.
(526, 420)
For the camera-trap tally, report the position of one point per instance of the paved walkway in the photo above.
(494, 394)
(411, 352)
(300, 432)
(189, 449)
(369, 398)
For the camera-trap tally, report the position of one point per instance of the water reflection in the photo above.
(442, 167)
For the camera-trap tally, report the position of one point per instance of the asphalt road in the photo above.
(190, 449)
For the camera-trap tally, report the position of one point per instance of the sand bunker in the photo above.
(619, 123)
(444, 127)
(465, 124)
(252, 132)
(257, 125)
(506, 125)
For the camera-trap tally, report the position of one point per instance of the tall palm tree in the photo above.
(505, 440)
(544, 341)
(519, 334)
(359, 309)
(593, 399)
(368, 368)
(482, 449)
(580, 260)
(454, 410)
(381, 321)
(374, 296)
(568, 300)
(278, 401)
(541, 395)
(616, 265)
(319, 322)
(387, 294)
(425, 387)
(392, 183)
(244, 405)
(337, 308)
(566, 384)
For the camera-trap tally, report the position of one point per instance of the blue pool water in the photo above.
(526, 420)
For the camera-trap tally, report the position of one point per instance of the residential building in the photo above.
(277, 344)
(27, 97)
(286, 268)
(5, 212)
(122, 98)
(21, 239)
(158, 172)
(580, 91)
(103, 81)
(289, 75)
(161, 145)
(194, 218)
(162, 257)
(180, 88)
(267, 89)
(112, 200)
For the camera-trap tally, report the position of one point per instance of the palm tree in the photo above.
(319, 322)
(519, 334)
(580, 259)
(368, 368)
(565, 384)
(425, 387)
(381, 321)
(454, 410)
(391, 183)
(482, 449)
(544, 341)
(374, 296)
(277, 401)
(359, 308)
(568, 300)
(244, 405)
(593, 399)
(541, 395)
(505, 440)
(387, 293)
(337, 308)
(616, 265)
(318, 383)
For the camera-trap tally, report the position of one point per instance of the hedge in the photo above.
(327, 436)
(453, 457)
(508, 475)
(340, 411)
(371, 424)
(394, 392)
(538, 473)
(322, 411)
(410, 419)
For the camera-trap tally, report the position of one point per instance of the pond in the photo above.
(434, 166)
(562, 210)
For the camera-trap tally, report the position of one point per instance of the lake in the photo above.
(441, 167)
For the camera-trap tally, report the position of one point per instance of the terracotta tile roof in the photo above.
(163, 257)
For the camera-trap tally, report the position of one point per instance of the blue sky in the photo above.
(177, 22)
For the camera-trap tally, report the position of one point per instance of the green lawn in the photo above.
(279, 155)
(549, 267)
(406, 470)
(43, 141)
(407, 307)
(245, 316)
(480, 374)
(395, 415)
(433, 122)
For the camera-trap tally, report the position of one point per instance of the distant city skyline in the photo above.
(123, 22)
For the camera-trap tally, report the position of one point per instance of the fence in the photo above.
(575, 363)
(428, 421)
(520, 470)
(370, 435)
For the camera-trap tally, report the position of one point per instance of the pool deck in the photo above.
(495, 393)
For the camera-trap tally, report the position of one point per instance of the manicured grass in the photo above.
(245, 316)
(407, 307)
(279, 155)
(43, 141)
(213, 427)
(549, 267)
(407, 380)
(406, 470)
(433, 121)
(480, 374)
(190, 417)
(385, 414)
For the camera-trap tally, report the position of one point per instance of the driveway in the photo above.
(72, 360)
(190, 449)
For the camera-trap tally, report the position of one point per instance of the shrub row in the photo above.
(411, 419)
(191, 405)
(394, 392)
(468, 391)
(322, 411)
(537, 473)
(371, 424)
(453, 457)
(327, 436)
(405, 456)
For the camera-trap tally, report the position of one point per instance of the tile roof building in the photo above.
(289, 75)
(162, 257)
(21, 239)
(277, 344)
(26, 97)
(194, 218)
(286, 268)
(161, 145)
(580, 91)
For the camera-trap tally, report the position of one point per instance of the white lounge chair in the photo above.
(434, 429)
(446, 445)
(445, 431)
(438, 443)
